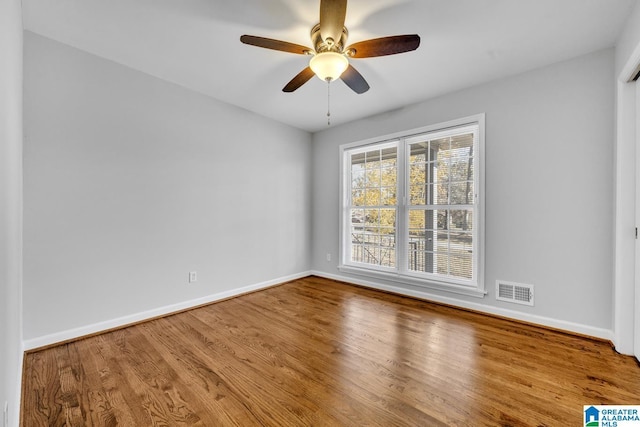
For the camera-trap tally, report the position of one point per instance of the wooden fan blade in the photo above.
(332, 15)
(302, 77)
(384, 46)
(354, 80)
(275, 44)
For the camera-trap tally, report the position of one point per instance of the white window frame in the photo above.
(401, 273)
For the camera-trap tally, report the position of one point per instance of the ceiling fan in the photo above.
(330, 54)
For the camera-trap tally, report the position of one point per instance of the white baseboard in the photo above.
(564, 325)
(71, 334)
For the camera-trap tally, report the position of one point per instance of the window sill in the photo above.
(409, 280)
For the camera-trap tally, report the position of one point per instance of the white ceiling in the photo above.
(195, 43)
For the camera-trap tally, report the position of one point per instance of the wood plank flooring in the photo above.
(315, 352)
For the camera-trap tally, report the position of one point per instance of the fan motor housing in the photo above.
(321, 45)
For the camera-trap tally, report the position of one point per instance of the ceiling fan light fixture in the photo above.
(331, 54)
(328, 66)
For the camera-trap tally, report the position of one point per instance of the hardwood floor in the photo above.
(316, 352)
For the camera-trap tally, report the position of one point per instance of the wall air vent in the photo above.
(517, 293)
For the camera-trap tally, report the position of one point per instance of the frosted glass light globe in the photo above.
(328, 65)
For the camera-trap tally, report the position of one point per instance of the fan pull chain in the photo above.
(328, 102)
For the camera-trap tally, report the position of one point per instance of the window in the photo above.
(412, 207)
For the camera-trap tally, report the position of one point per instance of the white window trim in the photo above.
(476, 289)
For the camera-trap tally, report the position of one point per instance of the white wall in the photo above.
(629, 40)
(131, 182)
(549, 177)
(10, 206)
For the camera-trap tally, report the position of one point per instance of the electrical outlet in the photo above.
(328, 257)
(193, 276)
